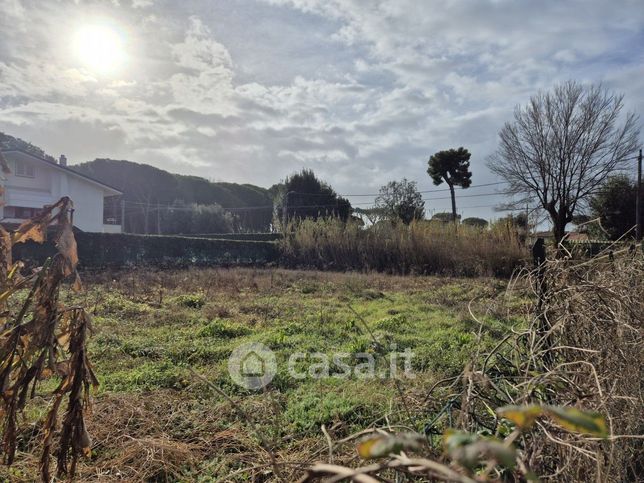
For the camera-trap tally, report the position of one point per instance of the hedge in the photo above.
(239, 236)
(101, 250)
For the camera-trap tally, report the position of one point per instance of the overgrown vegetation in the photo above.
(42, 339)
(572, 363)
(533, 380)
(421, 248)
(154, 420)
(163, 339)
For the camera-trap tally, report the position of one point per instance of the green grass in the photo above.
(152, 329)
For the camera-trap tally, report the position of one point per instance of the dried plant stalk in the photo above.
(41, 338)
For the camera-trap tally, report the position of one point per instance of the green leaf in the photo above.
(453, 438)
(531, 477)
(573, 419)
(489, 449)
(469, 450)
(384, 445)
(523, 416)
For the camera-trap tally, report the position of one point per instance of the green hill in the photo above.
(146, 189)
(145, 185)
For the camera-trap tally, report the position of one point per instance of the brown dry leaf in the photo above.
(25, 339)
(62, 368)
(91, 375)
(52, 330)
(66, 245)
(86, 443)
(5, 254)
(63, 340)
(35, 230)
(78, 285)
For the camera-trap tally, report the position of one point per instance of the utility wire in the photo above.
(160, 206)
(378, 194)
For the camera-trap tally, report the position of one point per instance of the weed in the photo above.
(222, 329)
(191, 301)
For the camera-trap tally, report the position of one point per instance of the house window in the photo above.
(25, 169)
(21, 212)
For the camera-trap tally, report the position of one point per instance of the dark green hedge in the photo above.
(100, 250)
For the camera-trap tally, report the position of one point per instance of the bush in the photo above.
(222, 329)
(475, 222)
(421, 247)
(191, 301)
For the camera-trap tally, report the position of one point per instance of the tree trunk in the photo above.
(559, 223)
(451, 190)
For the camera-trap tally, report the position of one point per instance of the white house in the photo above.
(36, 182)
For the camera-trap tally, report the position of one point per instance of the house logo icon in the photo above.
(252, 365)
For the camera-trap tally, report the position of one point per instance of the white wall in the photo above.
(27, 192)
(88, 204)
(49, 185)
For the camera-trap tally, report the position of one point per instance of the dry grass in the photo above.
(165, 436)
(421, 248)
(153, 421)
(592, 345)
(591, 359)
(580, 355)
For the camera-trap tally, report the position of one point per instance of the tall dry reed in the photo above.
(421, 247)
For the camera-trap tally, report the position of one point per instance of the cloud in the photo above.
(206, 84)
(361, 92)
(142, 3)
(12, 8)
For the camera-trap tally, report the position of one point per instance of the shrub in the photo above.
(191, 301)
(222, 329)
(475, 222)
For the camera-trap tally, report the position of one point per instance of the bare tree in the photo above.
(562, 145)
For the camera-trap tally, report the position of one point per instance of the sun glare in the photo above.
(99, 48)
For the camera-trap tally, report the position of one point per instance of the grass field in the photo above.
(155, 420)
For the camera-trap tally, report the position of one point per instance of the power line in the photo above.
(378, 194)
(427, 191)
(169, 207)
(158, 206)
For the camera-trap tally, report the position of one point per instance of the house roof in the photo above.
(66, 169)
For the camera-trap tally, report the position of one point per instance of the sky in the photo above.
(249, 91)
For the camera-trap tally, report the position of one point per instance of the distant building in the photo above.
(577, 236)
(36, 182)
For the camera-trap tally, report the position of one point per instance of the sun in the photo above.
(99, 47)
